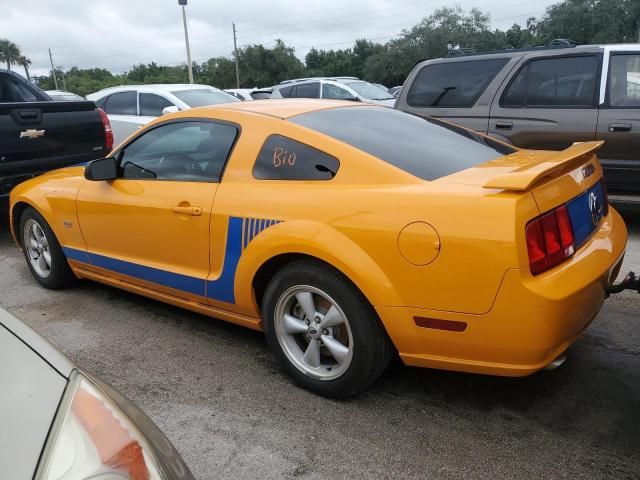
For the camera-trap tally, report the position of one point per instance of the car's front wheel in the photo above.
(43, 253)
(323, 331)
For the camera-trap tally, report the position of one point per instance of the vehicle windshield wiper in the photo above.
(446, 90)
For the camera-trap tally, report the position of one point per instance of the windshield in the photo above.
(369, 91)
(202, 97)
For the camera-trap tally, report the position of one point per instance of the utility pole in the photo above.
(53, 70)
(183, 4)
(235, 50)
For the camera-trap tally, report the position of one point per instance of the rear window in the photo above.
(410, 142)
(453, 84)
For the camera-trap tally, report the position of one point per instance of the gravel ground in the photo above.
(215, 391)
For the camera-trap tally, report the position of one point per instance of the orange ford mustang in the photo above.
(345, 231)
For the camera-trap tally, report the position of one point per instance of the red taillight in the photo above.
(108, 132)
(549, 240)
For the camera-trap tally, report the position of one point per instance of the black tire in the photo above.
(60, 275)
(372, 348)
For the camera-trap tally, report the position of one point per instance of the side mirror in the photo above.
(171, 109)
(101, 169)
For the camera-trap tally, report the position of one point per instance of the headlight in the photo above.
(93, 438)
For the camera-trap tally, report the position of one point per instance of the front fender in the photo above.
(316, 240)
(53, 195)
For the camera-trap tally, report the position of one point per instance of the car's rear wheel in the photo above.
(43, 253)
(323, 331)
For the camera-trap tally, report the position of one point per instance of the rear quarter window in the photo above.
(453, 84)
(409, 142)
(283, 158)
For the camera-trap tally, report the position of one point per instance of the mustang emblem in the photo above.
(595, 207)
(31, 133)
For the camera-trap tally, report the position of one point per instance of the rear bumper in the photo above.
(532, 321)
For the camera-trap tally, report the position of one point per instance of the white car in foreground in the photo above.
(129, 107)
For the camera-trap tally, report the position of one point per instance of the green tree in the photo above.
(25, 63)
(590, 21)
(9, 52)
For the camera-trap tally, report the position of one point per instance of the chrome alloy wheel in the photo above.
(37, 247)
(313, 332)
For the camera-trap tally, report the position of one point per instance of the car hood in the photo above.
(32, 387)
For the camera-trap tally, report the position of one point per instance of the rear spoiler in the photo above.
(547, 166)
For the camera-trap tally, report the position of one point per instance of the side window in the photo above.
(286, 91)
(453, 84)
(307, 90)
(334, 92)
(151, 105)
(123, 103)
(282, 158)
(624, 80)
(12, 91)
(100, 103)
(554, 82)
(181, 151)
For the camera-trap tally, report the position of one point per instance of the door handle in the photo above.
(504, 125)
(619, 127)
(183, 210)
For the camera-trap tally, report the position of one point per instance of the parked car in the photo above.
(60, 423)
(248, 94)
(38, 134)
(541, 98)
(346, 231)
(129, 107)
(61, 95)
(335, 88)
(262, 94)
(395, 91)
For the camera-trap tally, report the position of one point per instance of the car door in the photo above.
(619, 122)
(550, 103)
(122, 109)
(459, 91)
(150, 226)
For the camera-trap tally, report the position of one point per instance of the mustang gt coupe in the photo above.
(346, 232)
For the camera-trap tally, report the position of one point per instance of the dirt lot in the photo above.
(216, 392)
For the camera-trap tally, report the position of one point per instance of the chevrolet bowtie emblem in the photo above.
(31, 133)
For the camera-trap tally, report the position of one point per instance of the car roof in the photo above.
(164, 87)
(281, 108)
(317, 79)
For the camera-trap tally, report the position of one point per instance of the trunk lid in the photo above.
(571, 177)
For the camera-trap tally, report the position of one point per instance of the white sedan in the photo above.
(129, 107)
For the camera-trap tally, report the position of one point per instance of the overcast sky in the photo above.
(116, 34)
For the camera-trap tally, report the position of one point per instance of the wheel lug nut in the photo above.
(307, 322)
(317, 319)
(325, 332)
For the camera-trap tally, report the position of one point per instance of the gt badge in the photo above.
(588, 170)
(31, 133)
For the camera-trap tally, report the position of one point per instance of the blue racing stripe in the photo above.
(176, 281)
(240, 232)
